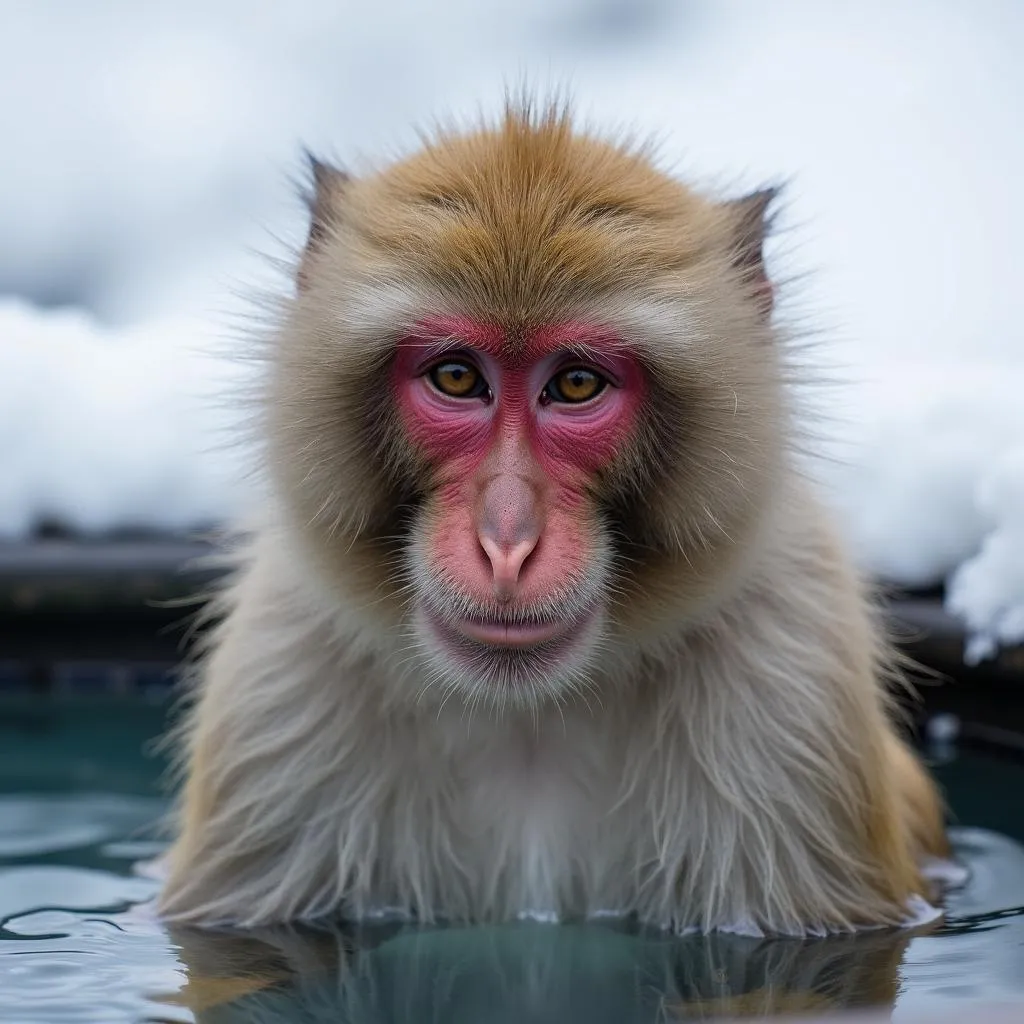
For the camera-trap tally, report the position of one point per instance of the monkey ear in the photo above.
(328, 186)
(751, 224)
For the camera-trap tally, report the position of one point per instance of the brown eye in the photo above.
(458, 380)
(577, 384)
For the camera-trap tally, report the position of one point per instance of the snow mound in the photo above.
(111, 428)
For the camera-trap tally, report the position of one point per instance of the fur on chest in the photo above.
(497, 825)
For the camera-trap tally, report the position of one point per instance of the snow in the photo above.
(149, 152)
(104, 428)
(987, 590)
(929, 480)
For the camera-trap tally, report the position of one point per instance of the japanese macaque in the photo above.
(541, 617)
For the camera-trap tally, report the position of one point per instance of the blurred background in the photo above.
(150, 166)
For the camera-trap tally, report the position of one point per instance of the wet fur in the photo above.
(722, 756)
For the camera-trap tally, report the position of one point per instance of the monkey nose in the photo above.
(506, 563)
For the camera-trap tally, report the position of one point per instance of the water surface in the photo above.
(78, 797)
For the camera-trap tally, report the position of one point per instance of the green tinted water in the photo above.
(77, 796)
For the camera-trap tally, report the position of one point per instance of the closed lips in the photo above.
(506, 634)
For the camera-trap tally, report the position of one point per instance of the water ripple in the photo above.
(78, 944)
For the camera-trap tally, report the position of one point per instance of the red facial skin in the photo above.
(512, 523)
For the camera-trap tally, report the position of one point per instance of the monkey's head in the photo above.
(526, 406)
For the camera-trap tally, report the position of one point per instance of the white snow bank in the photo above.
(112, 428)
(987, 590)
(929, 479)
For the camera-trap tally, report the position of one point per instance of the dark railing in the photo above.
(98, 615)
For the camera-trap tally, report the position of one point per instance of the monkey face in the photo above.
(510, 561)
(581, 423)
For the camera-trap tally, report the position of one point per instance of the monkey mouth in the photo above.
(495, 633)
(506, 633)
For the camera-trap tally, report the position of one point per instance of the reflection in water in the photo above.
(78, 943)
(526, 973)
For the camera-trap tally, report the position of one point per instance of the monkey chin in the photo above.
(509, 665)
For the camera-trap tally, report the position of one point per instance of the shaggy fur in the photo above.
(720, 757)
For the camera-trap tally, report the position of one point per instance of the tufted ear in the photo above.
(750, 226)
(323, 198)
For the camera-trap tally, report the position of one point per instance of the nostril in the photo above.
(507, 562)
(491, 550)
(486, 550)
(521, 553)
